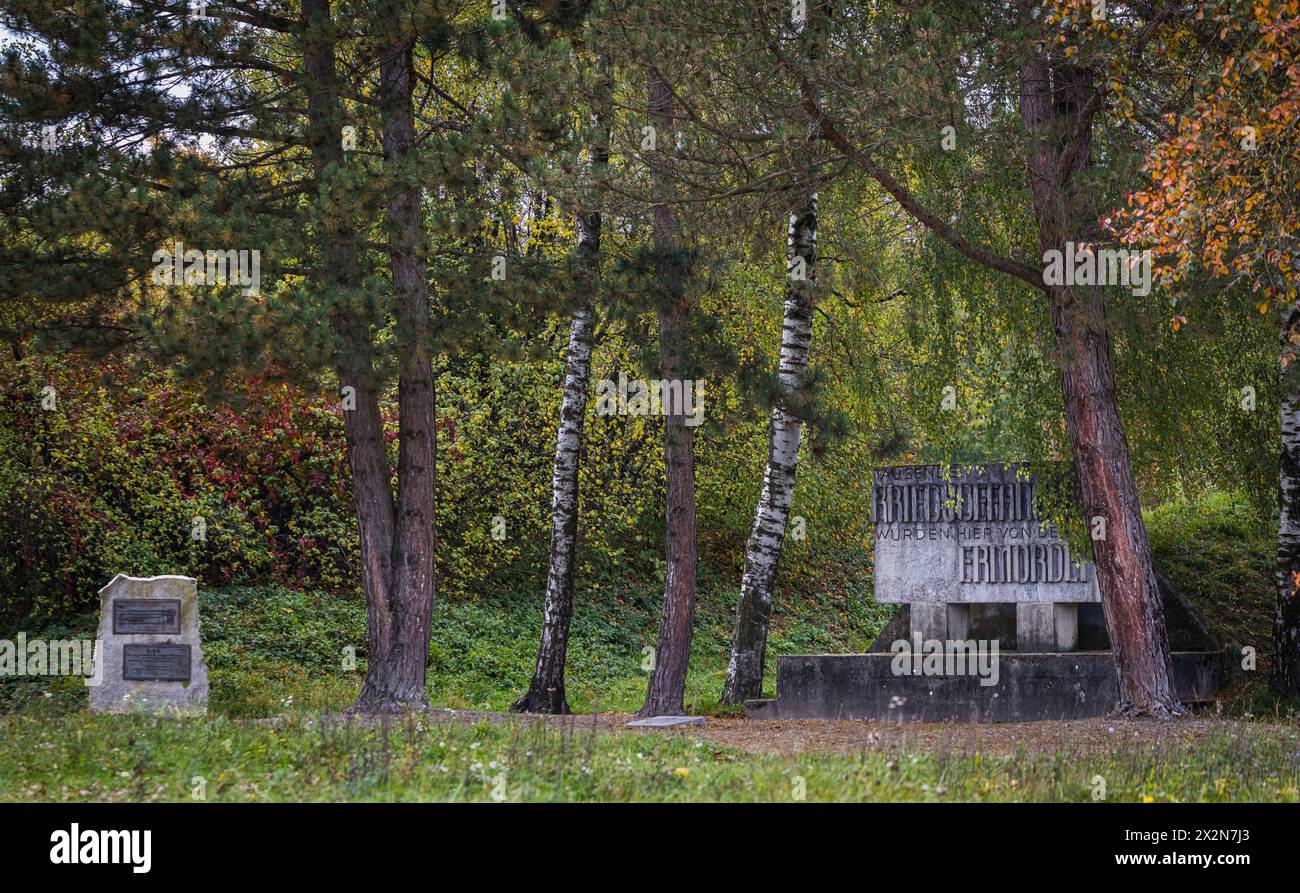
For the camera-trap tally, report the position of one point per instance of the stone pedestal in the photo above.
(1067, 627)
(1029, 687)
(958, 622)
(1047, 627)
(930, 620)
(941, 622)
(1035, 627)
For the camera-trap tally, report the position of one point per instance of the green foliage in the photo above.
(1219, 550)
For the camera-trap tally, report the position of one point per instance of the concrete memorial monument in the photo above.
(149, 658)
(973, 536)
(990, 622)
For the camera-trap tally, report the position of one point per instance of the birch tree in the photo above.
(763, 549)
(771, 516)
(546, 690)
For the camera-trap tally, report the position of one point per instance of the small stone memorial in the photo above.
(149, 658)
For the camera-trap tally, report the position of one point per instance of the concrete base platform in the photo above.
(1029, 687)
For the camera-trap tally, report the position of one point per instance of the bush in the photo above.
(112, 479)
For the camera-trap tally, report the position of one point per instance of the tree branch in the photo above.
(826, 130)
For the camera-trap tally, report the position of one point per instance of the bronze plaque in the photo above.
(147, 616)
(156, 663)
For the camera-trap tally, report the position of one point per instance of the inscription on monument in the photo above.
(970, 536)
(164, 663)
(144, 616)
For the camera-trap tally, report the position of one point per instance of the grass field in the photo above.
(442, 758)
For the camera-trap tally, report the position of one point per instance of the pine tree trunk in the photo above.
(763, 551)
(1051, 101)
(1285, 676)
(546, 691)
(666, 691)
(395, 673)
(362, 423)
(372, 494)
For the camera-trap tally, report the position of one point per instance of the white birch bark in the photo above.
(1286, 625)
(546, 691)
(763, 551)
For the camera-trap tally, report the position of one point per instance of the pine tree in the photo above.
(264, 128)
